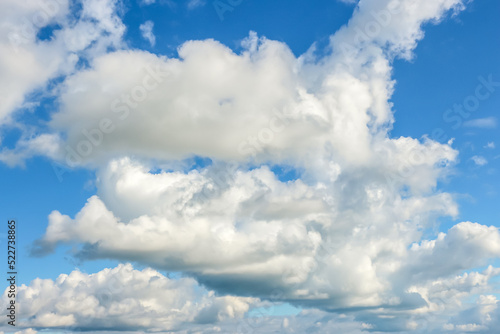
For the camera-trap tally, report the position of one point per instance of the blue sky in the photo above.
(316, 183)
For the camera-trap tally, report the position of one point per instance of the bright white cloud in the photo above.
(224, 226)
(263, 103)
(147, 32)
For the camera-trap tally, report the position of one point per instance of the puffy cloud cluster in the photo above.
(263, 104)
(126, 300)
(123, 298)
(248, 233)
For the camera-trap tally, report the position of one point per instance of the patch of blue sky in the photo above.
(275, 310)
(47, 33)
(295, 22)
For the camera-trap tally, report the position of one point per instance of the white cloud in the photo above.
(45, 144)
(490, 145)
(125, 300)
(122, 298)
(147, 32)
(224, 225)
(482, 123)
(338, 238)
(27, 63)
(147, 2)
(24, 64)
(394, 25)
(479, 160)
(467, 245)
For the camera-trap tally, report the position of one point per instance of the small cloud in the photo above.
(192, 4)
(26, 331)
(479, 160)
(147, 32)
(483, 123)
(490, 145)
(147, 2)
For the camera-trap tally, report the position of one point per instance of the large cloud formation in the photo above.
(346, 239)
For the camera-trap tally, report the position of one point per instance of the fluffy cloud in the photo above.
(394, 25)
(123, 298)
(127, 300)
(263, 104)
(27, 62)
(248, 233)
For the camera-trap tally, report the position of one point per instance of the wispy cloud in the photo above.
(482, 123)
(147, 32)
(192, 4)
(479, 160)
(490, 145)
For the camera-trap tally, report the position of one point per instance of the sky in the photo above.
(245, 166)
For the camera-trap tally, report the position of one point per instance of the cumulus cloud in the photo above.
(248, 233)
(338, 238)
(126, 300)
(262, 104)
(147, 32)
(122, 297)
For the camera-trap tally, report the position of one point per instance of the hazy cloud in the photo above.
(482, 123)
